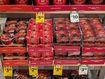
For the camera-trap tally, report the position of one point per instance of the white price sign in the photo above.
(74, 16)
(83, 70)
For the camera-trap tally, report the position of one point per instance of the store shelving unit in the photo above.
(29, 11)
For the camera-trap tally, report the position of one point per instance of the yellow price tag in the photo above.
(33, 70)
(8, 71)
(58, 70)
(40, 17)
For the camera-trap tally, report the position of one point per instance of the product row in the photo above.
(48, 54)
(47, 74)
(51, 2)
(56, 31)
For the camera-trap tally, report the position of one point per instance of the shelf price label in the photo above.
(58, 70)
(83, 70)
(40, 17)
(33, 70)
(74, 16)
(8, 71)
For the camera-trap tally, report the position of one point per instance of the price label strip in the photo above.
(33, 70)
(8, 71)
(58, 70)
(83, 70)
(74, 16)
(40, 17)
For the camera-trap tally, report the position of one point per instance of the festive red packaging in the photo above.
(47, 27)
(21, 29)
(5, 39)
(42, 2)
(4, 2)
(35, 55)
(60, 26)
(88, 34)
(21, 1)
(84, 21)
(48, 22)
(100, 42)
(95, 21)
(46, 37)
(48, 56)
(21, 23)
(74, 33)
(10, 28)
(97, 1)
(59, 20)
(98, 27)
(79, 2)
(60, 51)
(59, 2)
(71, 26)
(86, 27)
(100, 33)
(73, 51)
(20, 37)
(33, 38)
(33, 28)
(62, 36)
(93, 52)
(41, 54)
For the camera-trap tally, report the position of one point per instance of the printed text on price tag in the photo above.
(83, 70)
(8, 71)
(58, 70)
(74, 16)
(33, 70)
(40, 17)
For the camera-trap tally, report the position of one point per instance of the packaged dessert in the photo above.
(78, 2)
(21, 1)
(96, 1)
(59, 2)
(41, 2)
(4, 2)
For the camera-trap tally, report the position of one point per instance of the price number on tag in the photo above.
(33, 70)
(8, 71)
(83, 70)
(40, 17)
(58, 70)
(74, 16)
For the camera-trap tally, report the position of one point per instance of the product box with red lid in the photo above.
(14, 33)
(22, 1)
(99, 31)
(78, 2)
(96, 2)
(40, 56)
(40, 34)
(66, 33)
(14, 56)
(93, 53)
(41, 2)
(4, 2)
(59, 2)
(67, 52)
(87, 32)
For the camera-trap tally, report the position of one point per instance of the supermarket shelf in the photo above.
(57, 9)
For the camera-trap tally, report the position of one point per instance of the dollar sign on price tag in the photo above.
(83, 70)
(33, 70)
(40, 17)
(58, 70)
(74, 16)
(8, 71)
